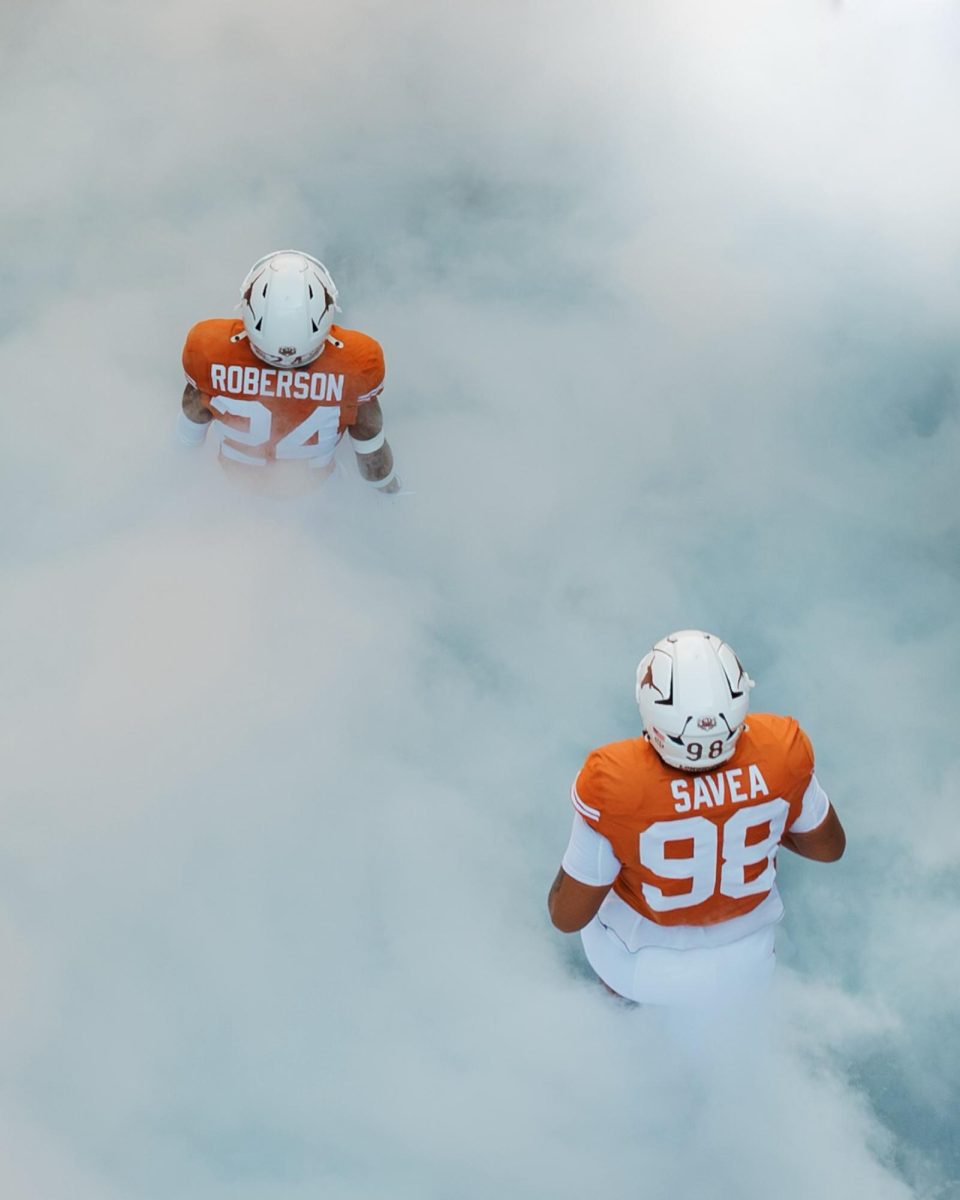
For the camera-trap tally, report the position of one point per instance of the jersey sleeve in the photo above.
(813, 810)
(588, 789)
(193, 359)
(372, 372)
(800, 762)
(804, 751)
(589, 857)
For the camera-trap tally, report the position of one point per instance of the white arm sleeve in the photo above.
(189, 432)
(589, 857)
(368, 446)
(816, 805)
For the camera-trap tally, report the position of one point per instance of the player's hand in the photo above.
(394, 491)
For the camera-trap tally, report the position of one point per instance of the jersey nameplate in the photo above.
(715, 789)
(272, 382)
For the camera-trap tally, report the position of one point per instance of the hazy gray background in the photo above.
(669, 297)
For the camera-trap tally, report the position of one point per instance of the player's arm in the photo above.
(193, 407)
(374, 456)
(194, 417)
(825, 843)
(586, 874)
(572, 904)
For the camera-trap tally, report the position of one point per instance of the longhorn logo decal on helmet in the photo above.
(647, 680)
(697, 725)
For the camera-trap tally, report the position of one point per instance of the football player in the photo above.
(670, 872)
(282, 383)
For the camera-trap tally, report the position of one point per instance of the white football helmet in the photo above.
(288, 304)
(693, 696)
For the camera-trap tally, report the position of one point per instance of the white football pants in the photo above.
(656, 975)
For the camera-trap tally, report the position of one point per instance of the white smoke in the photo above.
(669, 300)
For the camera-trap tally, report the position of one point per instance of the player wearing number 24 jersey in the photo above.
(670, 872)
(283, 383)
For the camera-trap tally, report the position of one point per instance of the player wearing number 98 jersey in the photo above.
(670, 872)
(283, 383)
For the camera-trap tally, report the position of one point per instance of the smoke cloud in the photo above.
(669, 299)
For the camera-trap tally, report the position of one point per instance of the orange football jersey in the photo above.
(697, 848)
(265, 413)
